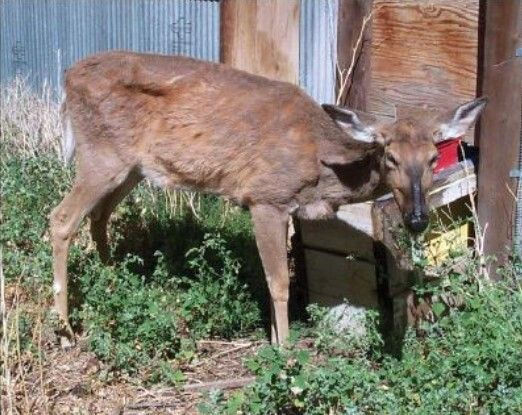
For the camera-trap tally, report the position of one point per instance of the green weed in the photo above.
(468, 360)
(143, 314)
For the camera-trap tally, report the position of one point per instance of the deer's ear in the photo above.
(457, 122)
(350, 122)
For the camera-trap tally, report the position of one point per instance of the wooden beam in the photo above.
(350, 18)
(261, 37)
(424, 55)
(499, 138)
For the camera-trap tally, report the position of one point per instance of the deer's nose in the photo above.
(416, 223)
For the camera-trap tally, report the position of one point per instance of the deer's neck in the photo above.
(354, 182)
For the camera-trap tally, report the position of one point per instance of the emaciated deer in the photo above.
(266, 145)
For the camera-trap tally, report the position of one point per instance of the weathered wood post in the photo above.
(499, 137)
(261, 37)
(350, 20)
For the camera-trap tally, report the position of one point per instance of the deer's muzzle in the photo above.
(417, 220)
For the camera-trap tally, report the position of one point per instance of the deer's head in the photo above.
(409, 154)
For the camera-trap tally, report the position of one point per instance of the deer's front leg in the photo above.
(270, 228)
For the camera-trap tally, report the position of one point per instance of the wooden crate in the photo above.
(356, 257)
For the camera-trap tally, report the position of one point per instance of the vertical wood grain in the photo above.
(424, 55)
(261, 37)
(499, 138)
(350, 17)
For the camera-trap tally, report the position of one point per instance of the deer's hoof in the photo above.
(63, 331)
(66, 343)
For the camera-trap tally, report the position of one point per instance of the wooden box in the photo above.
(357, 256)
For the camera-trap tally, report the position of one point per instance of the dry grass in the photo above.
(25, 336)
(29, 123)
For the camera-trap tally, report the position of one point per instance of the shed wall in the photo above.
(40, 38)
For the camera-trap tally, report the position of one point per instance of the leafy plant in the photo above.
(128, 323)
(215, 303)
(134, 323)
(468, 361)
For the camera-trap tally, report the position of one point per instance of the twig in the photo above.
(220, 384)
(480, 233)
(190, 199)
(511, 192)
(223, 353)
(147, 405)
(234, 349)
(345, 74)
(222, 342)
(195, 387)
(6, 375)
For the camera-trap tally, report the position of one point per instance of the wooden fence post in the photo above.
(261, 37)
(499, 136)
(349, 25)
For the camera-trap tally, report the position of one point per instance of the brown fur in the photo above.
(186, 123)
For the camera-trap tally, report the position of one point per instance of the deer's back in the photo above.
(185, 122)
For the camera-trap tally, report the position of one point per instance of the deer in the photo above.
(263, 144)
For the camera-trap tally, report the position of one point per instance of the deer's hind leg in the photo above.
(89, 188)
(102, 211)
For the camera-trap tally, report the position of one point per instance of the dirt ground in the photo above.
(70, 382)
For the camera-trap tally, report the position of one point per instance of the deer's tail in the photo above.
(68, 139)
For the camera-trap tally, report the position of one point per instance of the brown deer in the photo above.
(263, 144)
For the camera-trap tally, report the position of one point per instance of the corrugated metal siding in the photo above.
(318, 48)
(40, 38)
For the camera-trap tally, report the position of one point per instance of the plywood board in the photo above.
(338, 277)
(337, 236)
(424, 54)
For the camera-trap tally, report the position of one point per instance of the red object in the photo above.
(448, 154)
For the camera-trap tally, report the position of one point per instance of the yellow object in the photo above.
(452, 234)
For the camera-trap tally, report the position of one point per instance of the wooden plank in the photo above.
(455, 190)
(329, 301)
(500, 125)
(335, 276)
(424, 54)
(350, 17)
(338, 237)
(357, 215)
(261, 37)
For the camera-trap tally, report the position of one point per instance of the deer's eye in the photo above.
(433, 160)
(391, 161)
